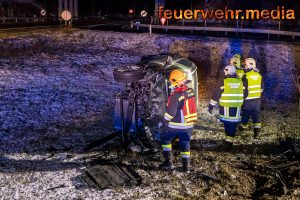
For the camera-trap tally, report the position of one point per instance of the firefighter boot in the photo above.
(228, 143)
(256, 132)
(167, 164)
(186, 164)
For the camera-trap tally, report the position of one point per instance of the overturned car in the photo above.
(140, 108)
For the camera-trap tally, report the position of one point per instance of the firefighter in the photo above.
(236, 61)
(179, 119)
(252, 104)
(230, 97)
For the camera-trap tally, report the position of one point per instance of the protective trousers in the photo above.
(230, 130)
(252, 108)
(184, 136)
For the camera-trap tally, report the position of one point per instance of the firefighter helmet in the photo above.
(176, 76)
(250, 63)
(230, 69)
(238, 56)
(236, 60)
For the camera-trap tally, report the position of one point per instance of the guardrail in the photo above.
(217, 29)
(5, 20)
(17, 20)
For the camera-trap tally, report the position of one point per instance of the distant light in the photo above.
(163, 21)
(43, 12)
(130, 11)
(144, 13)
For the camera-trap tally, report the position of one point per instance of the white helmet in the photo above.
(230, 69)
(250, 63)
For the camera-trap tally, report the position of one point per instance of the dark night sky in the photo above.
(122, 6)
(90, 7)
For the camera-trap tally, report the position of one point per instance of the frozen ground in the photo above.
(57, 95)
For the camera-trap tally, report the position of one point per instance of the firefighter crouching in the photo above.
(230, 97)
(179, 119)
(252, 104)
(236, 61)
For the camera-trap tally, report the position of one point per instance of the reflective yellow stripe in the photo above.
(191, 115)
(180, 124)
(180, 127)
(187, 107)
(254, 86)
(181, 98)
(257, 125)
(231, 101)
(186, 154)
(169, 117)
(252, 98)
(192, 119)
(255, 91)
(229, 138)
(232, 95)
(167, 147)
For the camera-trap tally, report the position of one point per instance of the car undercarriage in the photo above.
(140, 107)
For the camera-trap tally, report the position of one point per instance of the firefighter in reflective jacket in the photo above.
(230, 97)
(236, 61)
(179, 119)
(252, 104)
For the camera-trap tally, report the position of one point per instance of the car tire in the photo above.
(127, 74)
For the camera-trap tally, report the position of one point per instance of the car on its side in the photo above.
(141, 106)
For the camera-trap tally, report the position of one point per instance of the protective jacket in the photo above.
(255, 84)
(230, 97)
(181, 112)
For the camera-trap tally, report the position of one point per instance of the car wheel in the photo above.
(127, 74)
